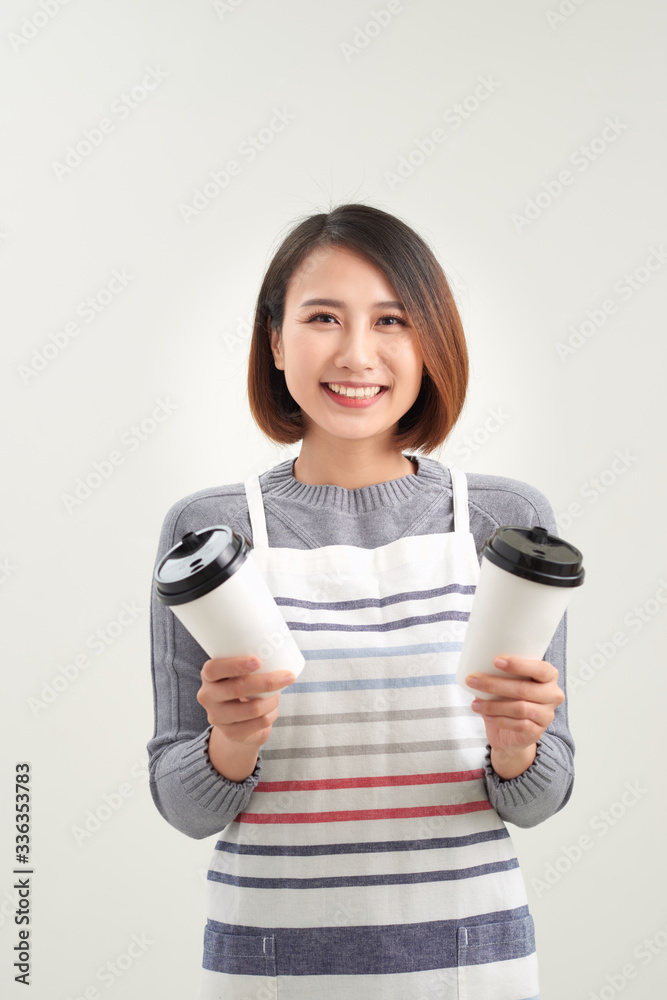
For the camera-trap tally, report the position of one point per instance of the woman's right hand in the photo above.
(228, 693)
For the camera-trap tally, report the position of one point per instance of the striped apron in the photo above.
(369, 863)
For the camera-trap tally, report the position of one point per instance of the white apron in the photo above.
(369, 863)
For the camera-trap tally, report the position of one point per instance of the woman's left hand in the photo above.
(516, 725)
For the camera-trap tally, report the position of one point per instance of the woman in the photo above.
(362, 847)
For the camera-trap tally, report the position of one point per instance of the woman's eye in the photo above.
(324, 316)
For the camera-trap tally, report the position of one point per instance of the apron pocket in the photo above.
(240, 954)
(481, 948)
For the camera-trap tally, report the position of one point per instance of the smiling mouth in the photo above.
(352, 392)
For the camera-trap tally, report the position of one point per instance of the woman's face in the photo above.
(362, 336)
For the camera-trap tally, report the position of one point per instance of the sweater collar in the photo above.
(431, 475)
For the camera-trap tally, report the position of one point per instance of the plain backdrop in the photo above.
(526, 143)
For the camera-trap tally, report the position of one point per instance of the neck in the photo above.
(351, 470)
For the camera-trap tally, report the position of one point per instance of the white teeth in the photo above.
(344, 390)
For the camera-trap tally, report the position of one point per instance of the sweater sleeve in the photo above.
(186, 788)
(546, 786)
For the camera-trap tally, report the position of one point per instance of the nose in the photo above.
(358, 348)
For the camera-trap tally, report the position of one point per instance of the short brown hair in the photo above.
(411, 267)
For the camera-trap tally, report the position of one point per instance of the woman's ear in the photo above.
(276, 345)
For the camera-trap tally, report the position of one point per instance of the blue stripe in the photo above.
(369, 683)
(442, 616)
(345, 881)
(368, 950)
(377, 602)
(361, 847)
(354, 652)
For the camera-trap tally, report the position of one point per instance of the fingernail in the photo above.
(287, 678)
(501, 663)
(250, 664)
(476, 703)
(472, 680)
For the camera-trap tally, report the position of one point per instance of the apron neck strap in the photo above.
(260, 539)
(460, 494)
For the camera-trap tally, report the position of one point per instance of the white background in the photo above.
(362, 101)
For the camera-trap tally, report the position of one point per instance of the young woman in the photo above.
(362, 850)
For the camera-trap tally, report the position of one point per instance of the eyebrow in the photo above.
(339, 304)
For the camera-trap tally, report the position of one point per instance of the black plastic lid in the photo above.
(199, 563)
(535, 555)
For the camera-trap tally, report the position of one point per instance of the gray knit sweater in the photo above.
(188, 791)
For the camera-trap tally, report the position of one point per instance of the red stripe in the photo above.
(382, 780)
(362, 814)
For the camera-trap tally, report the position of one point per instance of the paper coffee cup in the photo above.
(214, 587)
(526, 579)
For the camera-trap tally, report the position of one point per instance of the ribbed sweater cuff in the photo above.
(528, 785)
(207, 786)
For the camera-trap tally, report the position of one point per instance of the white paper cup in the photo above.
(214, 587)
(526, 580)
